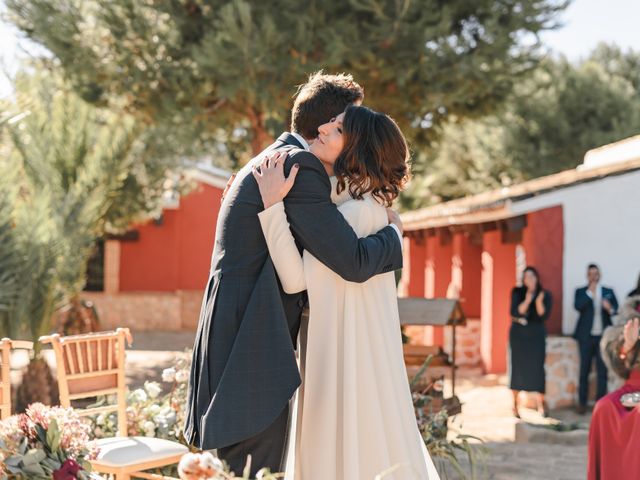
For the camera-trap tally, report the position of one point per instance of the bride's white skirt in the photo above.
(353, 417)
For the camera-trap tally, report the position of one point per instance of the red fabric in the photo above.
(614, 436)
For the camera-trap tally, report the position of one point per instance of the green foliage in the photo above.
(28, 255)
(227, 69)
(552, 118)
(467, 158)
(64, 164)
(565, 110)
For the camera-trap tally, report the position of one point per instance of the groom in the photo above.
(244, 370)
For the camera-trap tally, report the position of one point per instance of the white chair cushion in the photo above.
(126, 451)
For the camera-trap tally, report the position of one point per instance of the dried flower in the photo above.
(169, 375)
(139, 395)
(153, 389)
(149, 428)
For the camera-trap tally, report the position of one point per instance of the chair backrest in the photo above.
(91, 365)
(6, 345)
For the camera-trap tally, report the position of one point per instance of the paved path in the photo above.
(486, 413)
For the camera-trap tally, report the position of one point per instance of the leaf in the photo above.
(34, 456)
(13, 461)
(423, 369)
(53, 435)
(22, 449)
(41, 433)
(34, 470)
(52, 463)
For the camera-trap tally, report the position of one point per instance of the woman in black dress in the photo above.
(530, 307)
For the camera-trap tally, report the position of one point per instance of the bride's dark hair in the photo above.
(375, 155)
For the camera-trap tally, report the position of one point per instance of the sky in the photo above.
(585, 24)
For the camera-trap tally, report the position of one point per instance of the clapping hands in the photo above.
(631, 330)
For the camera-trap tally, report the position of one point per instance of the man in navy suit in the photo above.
(596, 305)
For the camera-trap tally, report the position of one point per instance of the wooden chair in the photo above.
(93, 364)
(6, 345)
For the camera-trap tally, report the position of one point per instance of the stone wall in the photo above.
(467, 340)
(561, 366)
(148, 310)
(467, 343)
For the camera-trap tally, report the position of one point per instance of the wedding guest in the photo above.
(613, 439)
(530, 307)
(596, 304)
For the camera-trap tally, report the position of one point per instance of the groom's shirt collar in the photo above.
(301, 139)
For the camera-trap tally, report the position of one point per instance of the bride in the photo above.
(354, 417)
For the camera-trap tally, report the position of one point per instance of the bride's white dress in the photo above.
(353, 415)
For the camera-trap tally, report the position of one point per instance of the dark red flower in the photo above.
(68, 471)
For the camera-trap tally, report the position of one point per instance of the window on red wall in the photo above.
(95, 269)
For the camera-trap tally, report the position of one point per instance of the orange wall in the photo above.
(438, 277)
(415, 258)
(498, 278)
(543, 242)
(176, 254)
(466, 273)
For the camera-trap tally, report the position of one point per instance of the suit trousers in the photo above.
(267, 448)
(590, 348)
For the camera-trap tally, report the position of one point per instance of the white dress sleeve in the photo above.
(282, 248)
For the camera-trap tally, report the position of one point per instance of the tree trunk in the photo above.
(260, 138)
(38, 385)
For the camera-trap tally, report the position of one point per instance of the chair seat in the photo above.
(130, 451)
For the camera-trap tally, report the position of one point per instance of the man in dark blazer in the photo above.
(244, 369)
(596, 305)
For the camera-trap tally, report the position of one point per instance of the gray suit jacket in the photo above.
(244, 370)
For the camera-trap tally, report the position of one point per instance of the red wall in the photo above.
(176, 254)
(438, 277)
(543, 242)
(498, 278)
(467, 273)
(414, 261)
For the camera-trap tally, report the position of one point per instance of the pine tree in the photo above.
(231, 66)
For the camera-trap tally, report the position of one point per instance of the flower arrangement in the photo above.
(46, 442)
(149, 412)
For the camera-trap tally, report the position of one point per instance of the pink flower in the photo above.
(68, 471)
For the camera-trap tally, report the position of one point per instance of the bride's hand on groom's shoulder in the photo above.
(394, 218)
(269, 175)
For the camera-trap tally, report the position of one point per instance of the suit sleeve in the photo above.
(614, 302)
(581, 300)
(320, 228)
(282, 248)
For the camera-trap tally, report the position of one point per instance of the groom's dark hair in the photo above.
(322, 98)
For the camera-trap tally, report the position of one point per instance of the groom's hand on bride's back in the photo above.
(394, 218)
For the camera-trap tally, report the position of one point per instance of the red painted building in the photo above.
(155, 274)
(476, 248)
